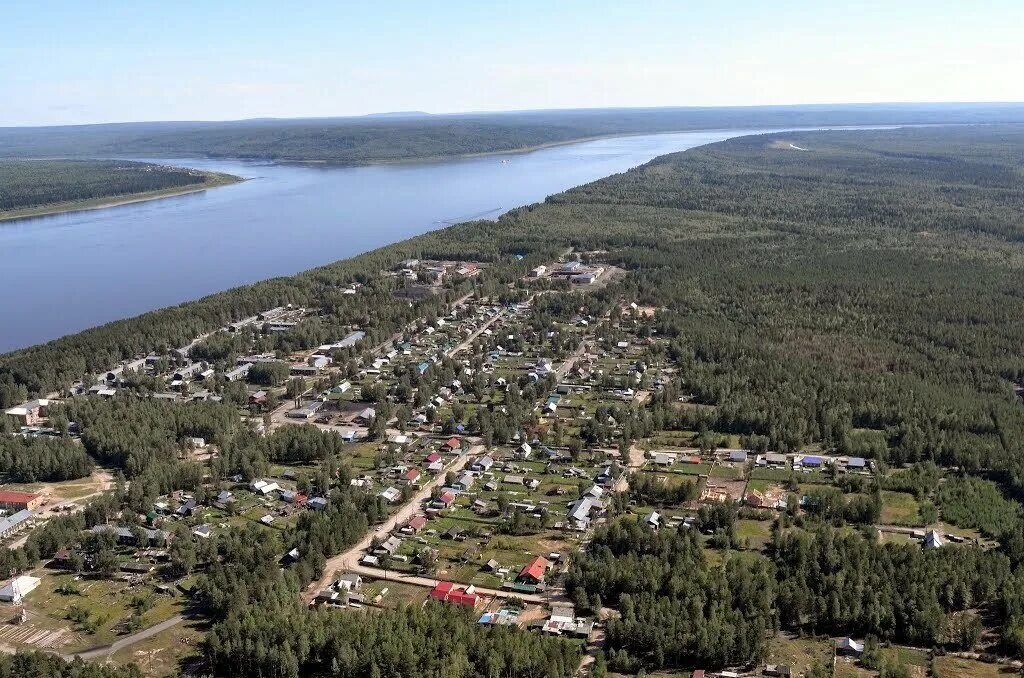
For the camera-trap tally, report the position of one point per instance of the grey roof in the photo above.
(13, 521)
(580, 510)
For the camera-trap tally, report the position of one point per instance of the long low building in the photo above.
(11, 524)
(20, 500)
(307, 411)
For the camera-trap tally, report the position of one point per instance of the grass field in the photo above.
(900, 508)
(104, 606)
(168, 653)
(756, 532)
(955, 667)
(727, 472)
(395, 594)
(800, 654)
(915, 660)
(771, 474)
(847, 668)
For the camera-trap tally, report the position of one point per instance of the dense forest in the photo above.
(679, 610)
(30, 460)
(373, 139)
(34, 183)
(46, 665)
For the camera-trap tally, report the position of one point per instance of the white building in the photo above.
(18, 588)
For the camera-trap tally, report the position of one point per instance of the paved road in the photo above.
(107, 650)
(349, 560)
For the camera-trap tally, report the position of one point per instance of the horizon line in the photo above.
(413, 114)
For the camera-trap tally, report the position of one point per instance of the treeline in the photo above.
(146, 440)
(843, 584)
(36, 664)
(58, 364)
(135, 433)
(38, 459)
(31, 183)
(978, 503)
(435, 641)
(677, 610)
(646, 489)
(417, 136)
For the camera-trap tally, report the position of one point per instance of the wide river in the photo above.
(67, 272)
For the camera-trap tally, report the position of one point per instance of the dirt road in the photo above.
(564, 368)
(471, 338)
(107, 650)
(349, 559)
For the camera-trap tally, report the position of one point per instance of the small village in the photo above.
(478, 515)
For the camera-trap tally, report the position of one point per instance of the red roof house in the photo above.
(453, 443)
(535, 570)
(447, 498)
(417, 523)
(412, 475)
(463, 598)
(441, 590)
(446, 591)
(432, 457)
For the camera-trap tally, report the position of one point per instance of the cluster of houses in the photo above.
(434, 273)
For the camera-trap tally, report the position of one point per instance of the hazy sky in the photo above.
(74, 62)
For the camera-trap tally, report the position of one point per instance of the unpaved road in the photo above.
(349, 560)
(107, 650)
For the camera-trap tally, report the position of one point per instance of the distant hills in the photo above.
(398, 114)
(415, 135)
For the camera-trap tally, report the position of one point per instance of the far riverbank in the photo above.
(214, 180)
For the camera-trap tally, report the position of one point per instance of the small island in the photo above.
(31, 188)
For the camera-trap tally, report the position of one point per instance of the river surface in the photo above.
(64, 273)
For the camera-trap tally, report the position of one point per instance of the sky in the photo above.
(73, 62)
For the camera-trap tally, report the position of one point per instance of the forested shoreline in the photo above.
(374, 139)
(29, 187)
(879, 294)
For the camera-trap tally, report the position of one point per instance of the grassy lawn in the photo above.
(694, 470)
(954, 667)
(900, 508)
(104, 606)
(800, 654)
(395, 594)
(167, 653)
(727, 472)
(756, 532)
(846, 667)
(897, 538)
(761, 485)
(771, 474)
(916, 660)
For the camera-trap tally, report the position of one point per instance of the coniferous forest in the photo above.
(33, 183)
(854, 290)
